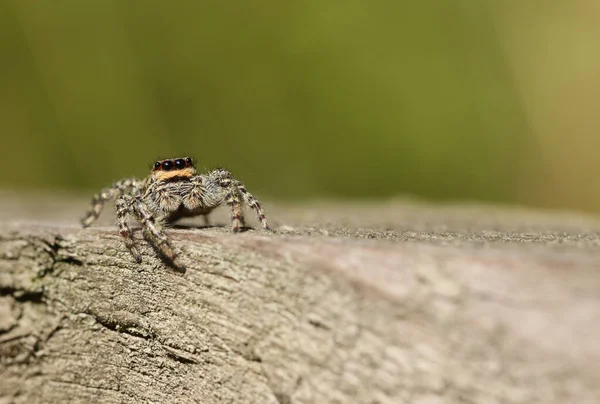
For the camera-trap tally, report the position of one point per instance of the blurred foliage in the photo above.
(299, 99)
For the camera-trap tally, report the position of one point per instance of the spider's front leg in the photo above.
(234, 202)
(254, 204)
(124, 208)
(236, 193)
(119, 188)
(155, 233)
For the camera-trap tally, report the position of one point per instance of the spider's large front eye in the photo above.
(167, 165)
(179, 164)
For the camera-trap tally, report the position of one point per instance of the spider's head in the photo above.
(182, 167)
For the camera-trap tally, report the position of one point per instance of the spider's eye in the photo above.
(167, 165)
(188, 160)
(179, 164)
(157, 165)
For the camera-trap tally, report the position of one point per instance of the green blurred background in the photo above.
(447, 100)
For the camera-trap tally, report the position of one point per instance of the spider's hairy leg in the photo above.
(221, 182)
(106, 194)
(253, 204)
(236, 193)
(123, 205)
(233, 200)
(155, 232)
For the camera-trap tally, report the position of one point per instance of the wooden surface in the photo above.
(391, 302)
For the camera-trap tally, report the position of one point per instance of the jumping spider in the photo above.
(173, 190)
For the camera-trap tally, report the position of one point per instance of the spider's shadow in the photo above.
(168, 261)
(165, 259)
(243, 229)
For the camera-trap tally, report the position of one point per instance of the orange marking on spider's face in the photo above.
(183, 173)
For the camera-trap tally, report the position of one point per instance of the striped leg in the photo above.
(233, 200)
(253, 204)
(106, 194)
(236, 193)
(123, 206)
(155, 233)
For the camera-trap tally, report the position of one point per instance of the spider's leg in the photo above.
(253, 204)
(233, 200)
(219, 190)
(107, 193)
(236, 193)
(155, 232)
(123, 205)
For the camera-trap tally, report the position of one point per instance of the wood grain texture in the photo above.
(405, 305)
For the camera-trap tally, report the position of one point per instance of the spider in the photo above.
(173, 190)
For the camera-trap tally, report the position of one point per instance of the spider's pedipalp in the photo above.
(193, 194)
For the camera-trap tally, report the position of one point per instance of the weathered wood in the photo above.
(448, 305)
